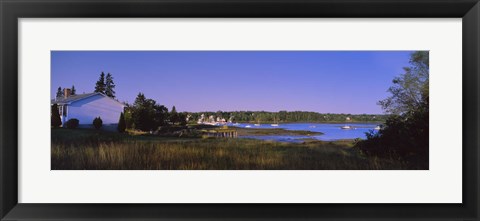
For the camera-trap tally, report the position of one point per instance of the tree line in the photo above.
(287, 116)
(146, 114)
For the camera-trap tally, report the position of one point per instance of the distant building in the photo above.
(86, 107)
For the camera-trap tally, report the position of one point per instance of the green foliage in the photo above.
(121, 124)
(128, 117)
(409, 89)
(55, 116)
(59, 92)
(105, 85)
(100, 85)
(72, 123)
(73, 91)
(287, 116)
(182, 119)
(174, 116)
(405, 134)
(405, 137)
(97, 123)
(109, 86)
(147, 115)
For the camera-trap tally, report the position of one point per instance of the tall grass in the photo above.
(94, 150)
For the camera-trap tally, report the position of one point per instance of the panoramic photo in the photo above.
(239, 110)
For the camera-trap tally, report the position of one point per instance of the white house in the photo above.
(86, 107)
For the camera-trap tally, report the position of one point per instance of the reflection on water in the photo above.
(331, 131)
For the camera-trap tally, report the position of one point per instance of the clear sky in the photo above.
(320, 81)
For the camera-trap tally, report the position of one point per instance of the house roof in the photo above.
(74, 98)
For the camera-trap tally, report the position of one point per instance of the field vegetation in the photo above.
(150, 137)
(83, 149)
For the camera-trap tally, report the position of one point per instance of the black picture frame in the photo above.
(12, 10)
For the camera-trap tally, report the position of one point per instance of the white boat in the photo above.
(377, 127)
(257, 125)
(248, 126)
(346, 127)
(275, 124)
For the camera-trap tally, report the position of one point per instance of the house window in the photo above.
(60, 109)
(65, 110)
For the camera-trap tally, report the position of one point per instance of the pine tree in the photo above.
(100, 85)
(73, 90)
(109, 86)
(55, 116)
(97, 123)
(174, 118)
(59, 92)
(121, 123)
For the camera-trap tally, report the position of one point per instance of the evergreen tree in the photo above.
(59, 92)
(129, 109)
(55, 116)
(73, 90)
(109, 86)
(143, 113)
(121, 123)
(146, 114)
(174, 117)
(161, 115)
(97, 123)
(100, 85)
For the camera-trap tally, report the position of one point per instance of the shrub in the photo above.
(97, 123)
(55, 117)
(72, 123)
(405, 137)
(121, 123)
(128, 119)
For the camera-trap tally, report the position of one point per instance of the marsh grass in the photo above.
(96, 150)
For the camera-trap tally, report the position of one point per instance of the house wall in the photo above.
(87, 109)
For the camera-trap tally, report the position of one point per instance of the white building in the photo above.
(86, 107)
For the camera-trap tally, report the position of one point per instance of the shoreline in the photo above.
(320, 122)
(274, 132)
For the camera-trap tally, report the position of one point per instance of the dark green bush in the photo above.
(72, 123)
(55, 117)
(97, 123)
(121, 124)
(405, 137)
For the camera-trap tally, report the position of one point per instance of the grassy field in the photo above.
(82, 149)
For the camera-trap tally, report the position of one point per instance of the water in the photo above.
(331, 131)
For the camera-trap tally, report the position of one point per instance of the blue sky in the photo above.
(320, 81)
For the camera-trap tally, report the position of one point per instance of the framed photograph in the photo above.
(258, 110)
